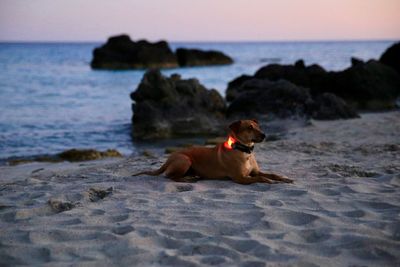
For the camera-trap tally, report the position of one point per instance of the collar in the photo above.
(232, 143)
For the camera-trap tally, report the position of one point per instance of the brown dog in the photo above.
(233, 158)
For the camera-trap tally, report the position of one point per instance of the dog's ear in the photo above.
(256, 121)
(235, 126)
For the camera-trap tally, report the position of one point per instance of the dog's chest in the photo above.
(247, 166)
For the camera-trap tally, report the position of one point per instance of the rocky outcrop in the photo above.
(234, 87)
(283, 99)
(300, 74)
(367, 85)
(195, 57)
(120, 52)
(170, 106)
(330, 107)
(280, 99)
(391, 57)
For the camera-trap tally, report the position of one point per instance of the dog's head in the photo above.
(247, 131)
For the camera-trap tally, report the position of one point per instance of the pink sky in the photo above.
(199, 20)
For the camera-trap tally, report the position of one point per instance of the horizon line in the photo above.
(211, 41)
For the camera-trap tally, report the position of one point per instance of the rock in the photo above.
(87, 154)
(17, 161)
(391, 57)
(367, 85)
(195, 57)
(234, 85)
(120, 52)
(68, 155)
(330, 107)
(59, 206)
(95, 194)
(298, 73)
(166, 107)
(356, 61)
(281, 99)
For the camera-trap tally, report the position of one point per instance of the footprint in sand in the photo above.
(122, 230)
(181, 234)
(296, 218)
(175, 187)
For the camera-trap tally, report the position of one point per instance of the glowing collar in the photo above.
(232, 143)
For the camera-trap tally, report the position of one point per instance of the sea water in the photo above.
(51, 100)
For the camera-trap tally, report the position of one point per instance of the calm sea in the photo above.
(50, 99)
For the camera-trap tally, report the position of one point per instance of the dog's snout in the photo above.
(262, 136)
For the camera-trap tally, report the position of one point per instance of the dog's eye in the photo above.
(251, 127)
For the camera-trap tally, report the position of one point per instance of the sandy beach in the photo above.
(342, 210)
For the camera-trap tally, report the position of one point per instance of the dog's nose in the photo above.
(263, 136)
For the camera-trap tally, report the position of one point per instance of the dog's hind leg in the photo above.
(178, 167)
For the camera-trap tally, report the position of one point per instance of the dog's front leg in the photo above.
(252, 180)
(275, 177)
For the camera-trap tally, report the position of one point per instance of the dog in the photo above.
(232, 159)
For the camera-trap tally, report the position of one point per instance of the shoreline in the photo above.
(278, 128)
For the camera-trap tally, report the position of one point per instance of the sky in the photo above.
(199, 20)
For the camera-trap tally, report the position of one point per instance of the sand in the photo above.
(342, 210)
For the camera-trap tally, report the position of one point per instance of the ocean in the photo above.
(51, 100)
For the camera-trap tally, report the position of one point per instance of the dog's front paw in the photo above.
(286, 179)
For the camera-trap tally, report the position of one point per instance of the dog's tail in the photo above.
(153, 173)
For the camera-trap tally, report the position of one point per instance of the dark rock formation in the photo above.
(370, 85)
(195, 57)
(391, 57)
(120, 52)
(234, 86)
(283, 99)
(167, 107)
(356, 61)
(307, 76)
(367, 86)
(330, 107)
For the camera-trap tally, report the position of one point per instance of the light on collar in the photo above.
(228, 143)
(233, 143)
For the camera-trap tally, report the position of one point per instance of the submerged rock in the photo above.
(169, 106)
(87, 154)
(391, 57)
(68, 155)
(120, 52)
(195, 57)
